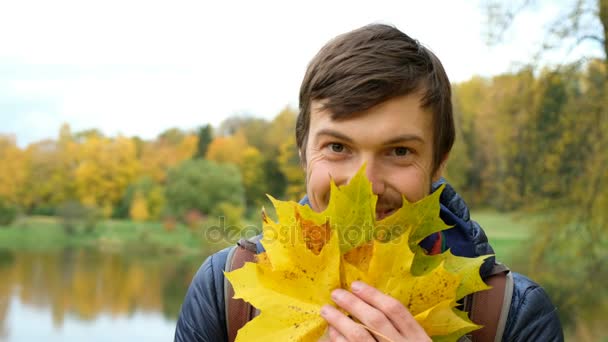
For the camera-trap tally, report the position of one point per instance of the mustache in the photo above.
(387, 202)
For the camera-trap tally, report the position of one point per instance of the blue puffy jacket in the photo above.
(532, 316)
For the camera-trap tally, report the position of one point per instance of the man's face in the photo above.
(394, 139)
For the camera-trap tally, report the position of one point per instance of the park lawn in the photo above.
(507, 232)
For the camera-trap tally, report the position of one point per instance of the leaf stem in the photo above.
(375, 332)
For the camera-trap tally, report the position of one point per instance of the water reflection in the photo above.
(88, 288)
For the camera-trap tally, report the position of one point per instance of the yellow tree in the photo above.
(252, 170)
(139, 208)
(158, 156)
(106, 168)
(465, 158)
(156, 202)
(51, 167)
(13, 169)
(228, 149)
(282, 129)
(289, 163)
(235, 150)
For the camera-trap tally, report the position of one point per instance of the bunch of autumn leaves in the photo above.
(309, 254)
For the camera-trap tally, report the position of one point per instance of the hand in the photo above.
(386, 318)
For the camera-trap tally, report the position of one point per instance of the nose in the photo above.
(373, 172)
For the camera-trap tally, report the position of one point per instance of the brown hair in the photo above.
(375, 63)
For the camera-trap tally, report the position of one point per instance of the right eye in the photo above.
(336, 147)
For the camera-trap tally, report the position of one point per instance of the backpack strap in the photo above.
(238, 312)
(490, 308)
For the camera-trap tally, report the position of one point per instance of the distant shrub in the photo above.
(152, 193)
(74, 215)
(8, 212)
(193, 218)
(43, 210)
(231, 213)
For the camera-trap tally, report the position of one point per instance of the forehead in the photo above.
(402, 115)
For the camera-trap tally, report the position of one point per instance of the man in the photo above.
(375, 96)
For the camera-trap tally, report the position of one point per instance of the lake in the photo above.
(92, 295)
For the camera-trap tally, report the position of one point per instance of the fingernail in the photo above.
(336, 295)
(324, 311)
(357, 286)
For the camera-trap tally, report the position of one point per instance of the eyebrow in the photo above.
(395, 140)
(333, 133)
(404, 138)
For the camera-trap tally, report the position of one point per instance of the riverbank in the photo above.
(506, 232)
(47, 233)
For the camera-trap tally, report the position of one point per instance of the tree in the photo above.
(228, 149)
(275, 180)
(13, 170)
(81, 136)
(150, 191)
(106, 168)
(289, 163)
(282, 129)
(173, 136)
(252, 169)
(51, 172)
(139, 208)
(202, 185)
(573, 146)
(582, 21)
(160, 155)
(8, 212)
(235, 150)
(492, 120)
(205, 136)
(467, 159)
(254, 129)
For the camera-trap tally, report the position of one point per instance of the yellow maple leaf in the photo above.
(289, 290)
(309, 254)
(429, 294)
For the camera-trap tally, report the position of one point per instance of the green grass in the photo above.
(506, 231)
(46, 233)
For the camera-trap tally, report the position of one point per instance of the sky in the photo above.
(141, 67)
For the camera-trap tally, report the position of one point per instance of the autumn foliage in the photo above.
(309, 254)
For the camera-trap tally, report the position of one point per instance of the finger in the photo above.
(400, 317)
(335, 336)
(324, 338)
(366, 313)
(345, 326)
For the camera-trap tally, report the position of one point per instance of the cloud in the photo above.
(140, 67)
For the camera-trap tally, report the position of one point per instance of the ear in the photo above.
(439, 172)
(302, 160)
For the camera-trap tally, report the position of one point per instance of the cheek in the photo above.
(317, 184)
(414, 184)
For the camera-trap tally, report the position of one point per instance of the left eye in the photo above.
(401, 151)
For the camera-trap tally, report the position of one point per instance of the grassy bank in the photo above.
(505, 232)
(46, 233)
